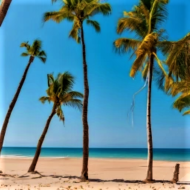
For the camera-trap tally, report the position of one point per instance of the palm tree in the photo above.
(60, 93)
(4, 6)
(144, 20)
(78, 11)
(32, 51)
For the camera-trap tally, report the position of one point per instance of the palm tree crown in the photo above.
(77, 11)
(144, 20)
(60, 93)
(34, 50)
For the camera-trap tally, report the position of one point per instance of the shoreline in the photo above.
(90, 158)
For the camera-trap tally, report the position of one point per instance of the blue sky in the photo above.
(111, 88)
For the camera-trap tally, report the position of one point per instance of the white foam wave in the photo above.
(29, 157)
(14, 156)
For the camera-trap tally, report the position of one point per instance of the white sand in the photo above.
(111, 174)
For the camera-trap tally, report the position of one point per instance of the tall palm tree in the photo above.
(144, 20)
(4, 6)
(77, 11)
(60, 93)
(32, 51)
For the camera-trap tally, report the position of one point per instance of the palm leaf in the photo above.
(50, 79)
(24, 54)
(182, 102)
(25, 44)
(76, 103)
(186, 112)
(130, 24)
(95, 24)
(43, 99)
(42, 53)
(126, 44)
(66, 81)
(96, 7)
(60, 113)
(157, 14)
(138, 63)
(43, 59)
(160, 64)
(58, 16)
(74, 33)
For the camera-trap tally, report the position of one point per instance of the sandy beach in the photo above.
(63, 173)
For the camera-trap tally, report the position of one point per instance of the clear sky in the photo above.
(111, 88)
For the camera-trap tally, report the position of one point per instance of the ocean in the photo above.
(120, 153)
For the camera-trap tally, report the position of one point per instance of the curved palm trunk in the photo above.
(3, 10)
(4, 127)
(84, 174)
(149, 177)
(40, 142)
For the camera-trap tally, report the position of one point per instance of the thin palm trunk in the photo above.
(84, 174)
(3, 10)
(40, 142)
(11, 107)
(149, 177)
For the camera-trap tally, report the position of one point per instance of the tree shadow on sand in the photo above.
(30, 175)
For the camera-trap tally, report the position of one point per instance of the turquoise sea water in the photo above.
(127, 153)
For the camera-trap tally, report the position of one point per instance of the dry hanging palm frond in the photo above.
(133, 101)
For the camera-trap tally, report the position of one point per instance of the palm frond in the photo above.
(160, 64)
(95, 24)
(75, 94)
(131, 24)
(43, 59)
(26, 45)
(69, 96)
(76, 103)
(74, 33)
(126, 44)
(58, 16)
(50, 79)
(159, 78)
(96, 8)
(43, 99)
(182, 102)
(180, 87)
(24, 54)
(157, 14)
(179, 57)
(60, 114)
(42, 53)
(186, 112)
(66, 81)
(166, 46)
(138, 63)
(36, 46)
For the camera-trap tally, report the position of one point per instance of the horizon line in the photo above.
(89, 147)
